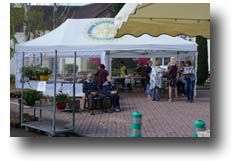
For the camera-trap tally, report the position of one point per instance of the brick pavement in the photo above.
(160, 119)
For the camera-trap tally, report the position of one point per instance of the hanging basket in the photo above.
(44, 77)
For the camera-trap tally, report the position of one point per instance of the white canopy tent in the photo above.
(95, 37)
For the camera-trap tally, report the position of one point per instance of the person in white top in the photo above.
(156, 81)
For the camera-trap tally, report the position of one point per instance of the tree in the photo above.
(116, 7)
(202, 71)
(26, 22)
(36, 22)
(16, 20)
(54, 15)
(31, 22)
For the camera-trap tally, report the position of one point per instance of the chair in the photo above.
(85, 103)
(96, 100)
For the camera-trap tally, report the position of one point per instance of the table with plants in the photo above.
(42, 91)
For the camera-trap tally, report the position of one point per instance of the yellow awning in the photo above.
(174, 19)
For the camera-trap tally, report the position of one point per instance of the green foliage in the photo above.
(202, 71)
(36, 23)
(44, 71)
(16, 19)
(15, 92)
(69, 68)
(33, 72)
(28, 117)
(63, 98)
(116, 7)
(29, 72)
(30, 96)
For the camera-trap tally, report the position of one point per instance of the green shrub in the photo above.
(28, 72)
(33, 72)
(30, 96)
(44, 71)
(63, 98)
(202, 71)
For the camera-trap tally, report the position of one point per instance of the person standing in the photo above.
(172, 77)
(101, 75)
(147, 79)
(139, 69)
(123, 73)
(156, 81)
(143, 75)
(189, 80)
(180, 82)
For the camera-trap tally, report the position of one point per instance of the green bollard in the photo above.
(136, 125)
(199, 126)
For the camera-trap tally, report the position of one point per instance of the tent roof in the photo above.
(98, 35)
(164, 18)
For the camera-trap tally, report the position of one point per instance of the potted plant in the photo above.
(43, 73)
(30, 96)
(15, 92)
(14, 121)
(61, 100)
(29, 72)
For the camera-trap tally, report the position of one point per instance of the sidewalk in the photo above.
(160, 119)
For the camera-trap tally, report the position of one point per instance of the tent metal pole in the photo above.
(74, 99)
(40, 59)
(40, 111)
(110, 66)
(196, 67)
(107, 59)
(22, 79)
(54, 95)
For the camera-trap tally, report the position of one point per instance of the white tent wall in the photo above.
(63, 58)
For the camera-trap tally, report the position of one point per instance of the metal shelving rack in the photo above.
(49, 126)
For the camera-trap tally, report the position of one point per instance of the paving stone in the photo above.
(160, 119)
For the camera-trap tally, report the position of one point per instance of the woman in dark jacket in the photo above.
(172, 77)
(101, 76)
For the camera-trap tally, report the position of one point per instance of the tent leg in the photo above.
(54, 95)
(40, 111)
(196, 67)
(74, 81)
(110, 66)
(22, 80)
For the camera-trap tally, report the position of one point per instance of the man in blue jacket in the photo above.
(110, 91)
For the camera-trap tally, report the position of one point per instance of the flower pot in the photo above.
(61, 105)
(44, 77)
